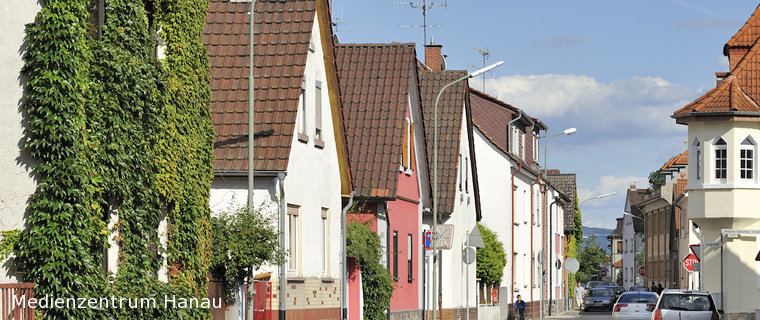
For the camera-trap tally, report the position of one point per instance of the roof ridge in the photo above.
(494, 99)
(393, 44)
(752, 24)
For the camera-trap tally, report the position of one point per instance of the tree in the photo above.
(242, 242)
(591, 257)
(656, 180)
(491, 258)
(377, 286)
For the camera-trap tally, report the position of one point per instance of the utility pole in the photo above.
(424, 5)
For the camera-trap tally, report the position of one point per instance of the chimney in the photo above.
(433, 56)
(633, 187)
(720, 76)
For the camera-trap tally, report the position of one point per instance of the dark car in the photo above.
(595, 284)
(618, 290)
(599, 298)
(638, 288)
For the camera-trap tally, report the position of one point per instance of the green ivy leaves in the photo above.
(364, 245)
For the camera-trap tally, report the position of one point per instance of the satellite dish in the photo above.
(572, 265)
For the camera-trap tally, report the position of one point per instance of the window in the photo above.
(293, 246)
(720, 160)
(698, 159)
(410, 267)
(466, 174)
(747, 160)
(522, 145)
(318, 110)
(461, 174)
(619, 247)
(407, 154)
(395, 255)
(325, 241)
(535, 148)
(302, 112)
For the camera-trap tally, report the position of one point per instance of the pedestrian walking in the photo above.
(660, 288)
(520, 308)
(578, 291)
(653, 288)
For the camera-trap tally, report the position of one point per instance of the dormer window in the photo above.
(747, 160)
(720, 160)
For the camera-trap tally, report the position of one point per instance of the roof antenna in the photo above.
(424, 5)
(485, 54)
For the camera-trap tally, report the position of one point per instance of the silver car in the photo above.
(634, 305)
(685, 305)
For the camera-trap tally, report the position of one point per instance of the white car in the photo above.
(634, 305)
(686, 305)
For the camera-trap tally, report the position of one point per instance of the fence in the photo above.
(14, 299)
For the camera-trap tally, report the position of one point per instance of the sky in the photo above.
(615, 70)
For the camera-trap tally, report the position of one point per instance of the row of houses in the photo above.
(350, 128)
(700, 229)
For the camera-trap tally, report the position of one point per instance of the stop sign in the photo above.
(642, 271)
(689, 261)
(603, 273)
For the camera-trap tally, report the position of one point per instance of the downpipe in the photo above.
(343, 261)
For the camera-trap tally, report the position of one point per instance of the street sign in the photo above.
(468, 255)
(642, 271)
(603, 273)
(572, 265)
(712, 244)
(427, 241)
(695, 250)
(689, 261)
(758, 256)
(475, 239)
(445, 236)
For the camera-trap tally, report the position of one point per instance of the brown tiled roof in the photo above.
(633, 198)
(450, 111)
(681, 159)
(374, 80)
(726, 96)
(618, 232)
(749, 32)
(566, 184)
(680, 187)
(282, 34)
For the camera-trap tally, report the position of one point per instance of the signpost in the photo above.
(603, 273)
(427, 241)
(689, 262)
(695, 250)
(642, 271)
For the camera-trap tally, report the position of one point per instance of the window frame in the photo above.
(749, 147)
(318, 110)
(720, 161)
(293, 237)
(395, 255)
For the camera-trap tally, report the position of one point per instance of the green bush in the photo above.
(491, 258)
(364, 244)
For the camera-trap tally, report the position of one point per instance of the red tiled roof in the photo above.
(375, 81)
(619, 263)
(282, 34)
(726, 96)
(748, 33)
(450, 112)
(678, 160)
(680, 186)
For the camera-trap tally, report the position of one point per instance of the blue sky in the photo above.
(616, 70)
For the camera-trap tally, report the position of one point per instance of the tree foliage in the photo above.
(591, 257)
(114, 130)
(491, 259)
(364, 245)
(243, 241)
(656, 180)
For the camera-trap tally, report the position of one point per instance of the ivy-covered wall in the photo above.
(112, 127)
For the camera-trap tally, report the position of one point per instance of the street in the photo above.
(595, 315)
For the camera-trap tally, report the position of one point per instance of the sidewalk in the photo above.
(569, 314)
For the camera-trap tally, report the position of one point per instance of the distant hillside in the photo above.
(601, 235)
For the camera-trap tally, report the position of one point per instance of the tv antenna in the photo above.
(424, 5)
(335, 22)
(485, 54)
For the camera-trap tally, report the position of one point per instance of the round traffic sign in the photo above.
(572, 265)
(468, 255)
(642, 271)
(689, 262)
(603, 273)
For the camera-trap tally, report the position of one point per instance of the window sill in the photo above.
(328, 280)
(296, 279)
(319, 144)
(303, 138)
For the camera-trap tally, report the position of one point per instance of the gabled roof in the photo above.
(725, 97)
(633, 198)
(375, 81)
(618, 232)
(450, 111)
(566, 184)
(747, 34)
(680, 160)
(491, 116)
(282, 33)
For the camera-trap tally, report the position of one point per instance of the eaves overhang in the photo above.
(685, 118)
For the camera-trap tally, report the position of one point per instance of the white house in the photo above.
(15, 163)
(301, 166)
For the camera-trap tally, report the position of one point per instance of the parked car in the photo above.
(638, 288)
(685, 304)
(594, 284)
(600, 298)
(618, 290)
(634, 305)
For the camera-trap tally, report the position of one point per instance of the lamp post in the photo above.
(566, 132)
(597, 197)
(435, 175)
(634, 243)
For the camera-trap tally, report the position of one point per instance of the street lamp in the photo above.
(634, 242)
(567, 132)
(435, 174)
(597, 197)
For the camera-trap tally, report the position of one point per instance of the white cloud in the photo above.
(607, 184)
(639, 106)
(723, 61)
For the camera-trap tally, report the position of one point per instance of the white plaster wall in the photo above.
(630, 269)
(455, 273)
(15, 165)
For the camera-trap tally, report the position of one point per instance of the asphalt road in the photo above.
(595, 315)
